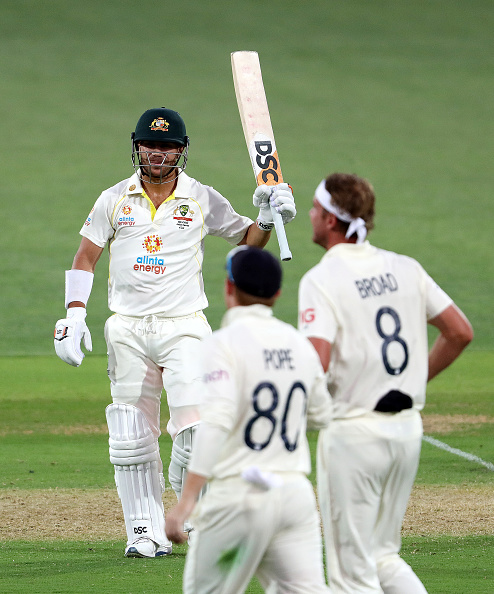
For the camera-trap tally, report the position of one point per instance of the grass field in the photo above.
(398, 92)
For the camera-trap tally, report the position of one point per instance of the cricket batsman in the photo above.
(154, 225)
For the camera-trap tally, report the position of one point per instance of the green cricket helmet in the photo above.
(159, 125)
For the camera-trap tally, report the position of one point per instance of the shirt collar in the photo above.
(354, 249)
(242, 311)
(134, 185)
(183, 189)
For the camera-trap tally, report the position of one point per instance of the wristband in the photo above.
(78, 285)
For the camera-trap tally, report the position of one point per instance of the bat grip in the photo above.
(285, 253)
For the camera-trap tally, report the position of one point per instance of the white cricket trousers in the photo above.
(366, 468)
(148, 354)
(243, 530)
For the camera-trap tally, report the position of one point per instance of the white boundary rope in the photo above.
(447, 448)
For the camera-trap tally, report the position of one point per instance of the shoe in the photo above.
(145, 547)
(163, 550)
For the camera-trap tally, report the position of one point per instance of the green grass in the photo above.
(397, 92)
(445, 564)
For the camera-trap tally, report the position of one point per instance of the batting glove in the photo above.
(283, 202)
(261, 199)
(68, 335)
(280, 198)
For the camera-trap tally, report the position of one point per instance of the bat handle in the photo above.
(285, 253)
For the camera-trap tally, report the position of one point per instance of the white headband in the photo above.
(357, 225)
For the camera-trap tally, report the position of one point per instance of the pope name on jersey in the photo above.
(264, 385)
(260, 392)
(155, 254)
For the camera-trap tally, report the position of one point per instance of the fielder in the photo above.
(264, 383)
(366, 312)
(154, 225)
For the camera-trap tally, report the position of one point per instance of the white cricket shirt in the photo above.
(156, 255)
(372, 305)
(264, 384)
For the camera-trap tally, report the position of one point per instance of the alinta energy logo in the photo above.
(126, 220)
(152, 244)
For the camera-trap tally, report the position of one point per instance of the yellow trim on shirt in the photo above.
(115, 208)
(153, 207)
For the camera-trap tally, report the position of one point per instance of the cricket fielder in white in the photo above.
(264, 384)
(366, 312)
(154, 225)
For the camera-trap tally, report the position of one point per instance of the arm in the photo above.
(176, 517)
(71, 330)
(209, 441)
(85, 259)
(455, 334)
(255, 236)
(323, 348)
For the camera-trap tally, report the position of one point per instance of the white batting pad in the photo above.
(135, 453)
(181, 451)
(131, 438)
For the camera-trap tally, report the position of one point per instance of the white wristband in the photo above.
(78, 285)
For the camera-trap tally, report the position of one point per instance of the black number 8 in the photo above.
(389, 338)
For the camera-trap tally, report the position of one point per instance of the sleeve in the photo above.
(223, 221)
(436, 300)
(316, 314)
(320, 405)
(220, 390)
(209, 442)
(97, 227)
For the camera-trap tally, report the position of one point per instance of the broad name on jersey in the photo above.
(278, 359)
(376, 285)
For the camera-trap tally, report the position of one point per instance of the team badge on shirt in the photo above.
(183, 215)
(159, 124)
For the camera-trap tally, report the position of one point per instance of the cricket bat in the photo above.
(256, 123)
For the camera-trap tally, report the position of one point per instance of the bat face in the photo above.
(264, 157)
(258, 132)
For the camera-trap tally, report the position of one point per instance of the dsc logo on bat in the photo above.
(265, 160)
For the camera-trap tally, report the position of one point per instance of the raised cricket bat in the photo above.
(256, 123)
